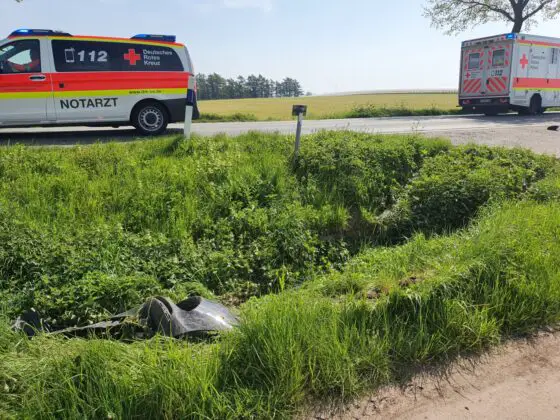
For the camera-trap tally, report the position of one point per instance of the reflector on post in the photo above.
(299, 109)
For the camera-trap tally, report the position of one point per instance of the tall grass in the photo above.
(92, 230)
(398, 110)
(236, 117)
(326, 342)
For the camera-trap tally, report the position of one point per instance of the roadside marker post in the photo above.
(188, 121)
(298, 111)
(189, 114)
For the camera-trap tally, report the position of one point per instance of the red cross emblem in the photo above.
(132, 57)
(468, 75)
(524, 61)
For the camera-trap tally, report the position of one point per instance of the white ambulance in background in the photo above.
(50, 78)
(516, 72)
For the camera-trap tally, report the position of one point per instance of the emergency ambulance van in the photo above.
(510, 72)
(50, 78)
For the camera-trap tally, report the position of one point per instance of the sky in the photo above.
(329, 46)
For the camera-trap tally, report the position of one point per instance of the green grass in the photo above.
(226, 216)
(325, 342)
(345, 106)
(370, 257)
(237, 117)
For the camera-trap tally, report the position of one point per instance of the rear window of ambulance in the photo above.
(77, 56)
(499, 58)
(474, 61)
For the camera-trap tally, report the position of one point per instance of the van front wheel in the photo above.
(150, 119)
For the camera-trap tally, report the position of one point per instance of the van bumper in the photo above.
(482, 105)
(176, 107)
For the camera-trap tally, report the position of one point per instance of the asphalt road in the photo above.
(433, 125)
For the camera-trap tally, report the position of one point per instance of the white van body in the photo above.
(50, 78)
(510, 72)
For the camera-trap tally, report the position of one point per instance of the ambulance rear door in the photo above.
(498, 67)
(473, 59)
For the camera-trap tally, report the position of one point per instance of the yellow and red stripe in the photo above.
(84, 81)
(532, 83)
(85, 84)
(540, 43)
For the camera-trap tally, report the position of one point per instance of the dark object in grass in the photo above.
(553, 128)
(194, 316)
(29, 322)
(408, 282)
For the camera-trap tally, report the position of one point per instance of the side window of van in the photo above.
(81, 56)
(21, 57)
(75, 56)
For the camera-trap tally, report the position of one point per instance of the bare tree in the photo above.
(458, 15)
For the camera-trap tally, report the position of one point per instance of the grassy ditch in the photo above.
(370, 256)
(392, 309)
(92, 230)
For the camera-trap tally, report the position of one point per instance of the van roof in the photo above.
(502, 37)
(113, 39)
(516, 37)
(167, 40)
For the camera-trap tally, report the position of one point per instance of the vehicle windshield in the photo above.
(4, 51)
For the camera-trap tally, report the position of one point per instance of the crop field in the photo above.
(389, 104)
(369, 257)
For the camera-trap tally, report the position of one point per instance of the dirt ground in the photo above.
(520, 380)
(538, 139)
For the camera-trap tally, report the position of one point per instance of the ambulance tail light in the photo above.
(149, 37)
(191, 97)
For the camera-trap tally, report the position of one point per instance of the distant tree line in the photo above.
(214, 86)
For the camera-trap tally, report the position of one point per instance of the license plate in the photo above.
(485, 101)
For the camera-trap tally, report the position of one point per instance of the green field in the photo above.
(332, 106)
(369, 257)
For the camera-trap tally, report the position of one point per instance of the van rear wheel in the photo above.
(150, 119)
(535, 107)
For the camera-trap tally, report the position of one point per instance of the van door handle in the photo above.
(38, 78)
